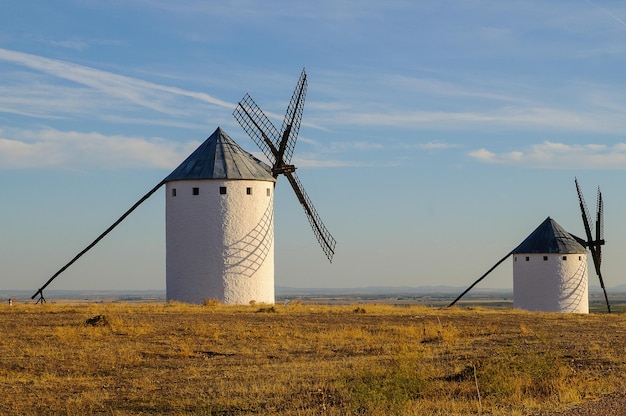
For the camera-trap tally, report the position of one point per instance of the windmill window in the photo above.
(173, 191)
(515, 258)
(527, 258)
(564, 257)
(196, 191)
(248, 191)
(222, 190)
(268, 191)
(545, 258)
(580, 258)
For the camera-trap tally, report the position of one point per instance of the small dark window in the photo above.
(196, 191)
(564, 257)
(248, 191)
(222, 190)
(173, 191)
(545, 258)
(580, 258)
(515, 258)
(268, 191)
(527, 258)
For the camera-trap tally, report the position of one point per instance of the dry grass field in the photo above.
(303, 359)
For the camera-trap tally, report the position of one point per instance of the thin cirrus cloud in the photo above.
(142, 93)
(164, 99)
(551, 155)
(522, 118)
(97, 90)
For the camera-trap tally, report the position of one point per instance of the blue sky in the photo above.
(436, 135)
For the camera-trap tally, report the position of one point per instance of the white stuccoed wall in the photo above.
(220, 246)
(554, 285)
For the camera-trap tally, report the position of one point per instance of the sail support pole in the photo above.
(480, 278)
(96, 241)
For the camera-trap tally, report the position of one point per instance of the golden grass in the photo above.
(302, 359)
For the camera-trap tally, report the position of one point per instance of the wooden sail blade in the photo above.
(325, 239)
(292, 120)
(585, 213)
(599, 226)
(606, 298)
(597, 258)
(259, 127)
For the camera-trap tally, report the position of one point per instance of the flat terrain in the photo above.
(304, 359)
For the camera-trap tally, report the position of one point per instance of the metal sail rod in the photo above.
(480, 278)
(100, 237)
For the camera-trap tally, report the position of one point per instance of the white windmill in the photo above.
(220, 212)
(219, 215)
(550, 272)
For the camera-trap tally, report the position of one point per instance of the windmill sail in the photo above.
(326, 240)
(599, 227)
(293, 117)
(258, 126)
(584, 212)
(279, 147)
(594, 245)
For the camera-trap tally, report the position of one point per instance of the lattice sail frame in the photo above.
(293, 117)
(258, 126)
(324, 237)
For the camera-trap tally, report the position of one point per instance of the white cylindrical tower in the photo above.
(550, 271)
(220, 226)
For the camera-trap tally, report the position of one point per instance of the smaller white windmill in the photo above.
(550, 266)
(550, 271)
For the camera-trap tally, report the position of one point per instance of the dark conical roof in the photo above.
(219, 157)
(550, 237)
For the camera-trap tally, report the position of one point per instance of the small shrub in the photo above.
(98, 320)
(211, 303)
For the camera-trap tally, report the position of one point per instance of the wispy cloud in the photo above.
(608, 13)
(51, 148)
(304, 162)
(139, 92)
(521, 118)
(551, 155)
(444, 88)
(435, 145)
(78, 45)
